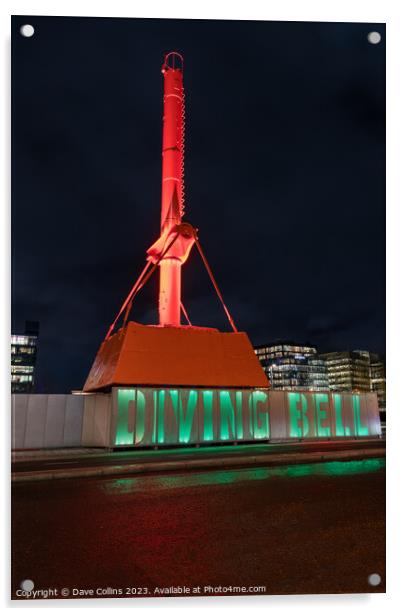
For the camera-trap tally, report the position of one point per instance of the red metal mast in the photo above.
(172, 208)
(168, 353)
(174, 244)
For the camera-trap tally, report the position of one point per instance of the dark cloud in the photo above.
(285, 153)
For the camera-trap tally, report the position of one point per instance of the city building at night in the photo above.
(291, 366)
(377, 381)
(348, 370)
(23, 358)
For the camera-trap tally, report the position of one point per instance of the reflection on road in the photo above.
(219, 477)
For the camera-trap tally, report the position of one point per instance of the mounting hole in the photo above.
(27, 30)
(374, 579)
(374, 38)
(27, 585)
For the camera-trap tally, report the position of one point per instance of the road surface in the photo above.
(309, 528)
(103, 458)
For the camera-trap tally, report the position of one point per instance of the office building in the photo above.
(377, 381)
(23, 358)
(291, 366)
(348, 370)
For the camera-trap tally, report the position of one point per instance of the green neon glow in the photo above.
(161, 416)
(227, 428)
(154, 420)
(139, 416)
(360, 429)
(186, 416)
(208, 399)
(174, 396)
(260, 416)
(123, 435)
(239, 414)
(322, 414)
(299, 425)
(186, 480)
(341, 429)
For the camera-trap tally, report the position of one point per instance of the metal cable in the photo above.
(219, 294)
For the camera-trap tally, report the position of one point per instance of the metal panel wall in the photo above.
(19, 410)
(36, 422)
(278, 416)
(54, 427)
(143, 417)
(73, 420)
(41, 421)
(373, 415)
(96, 420)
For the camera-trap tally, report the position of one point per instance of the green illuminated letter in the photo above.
(186, 416)
(158, 431)
(124, 436)
(341, 430)
(139, 416)
(174, 394)
(239, 414)
(322, 414)
(298, 417)
(227, 416)
(260, 415)
(360, 429)
(208, 398)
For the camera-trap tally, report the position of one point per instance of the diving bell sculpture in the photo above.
(172, 354)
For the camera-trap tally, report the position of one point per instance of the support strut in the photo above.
(219, 294)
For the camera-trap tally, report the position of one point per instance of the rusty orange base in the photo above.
(179, 356)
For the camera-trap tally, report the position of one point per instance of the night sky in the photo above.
(285, 180)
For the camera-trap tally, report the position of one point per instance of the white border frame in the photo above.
(387, 11)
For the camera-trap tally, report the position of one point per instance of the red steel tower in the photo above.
(171, 353)
(172, 186)
(172, 209)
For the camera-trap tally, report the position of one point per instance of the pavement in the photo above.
(301, 528)
(40, 465)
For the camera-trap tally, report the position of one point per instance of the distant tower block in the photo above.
(171, 354)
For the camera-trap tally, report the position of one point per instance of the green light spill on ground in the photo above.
(219, 477)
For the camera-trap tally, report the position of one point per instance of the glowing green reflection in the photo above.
(199, 479)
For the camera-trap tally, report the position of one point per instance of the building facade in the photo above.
(23, 358)
(348, 370)
(291, 366)
(377, 381)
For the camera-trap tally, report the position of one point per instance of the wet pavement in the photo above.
(25, 463)
(307, 528)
